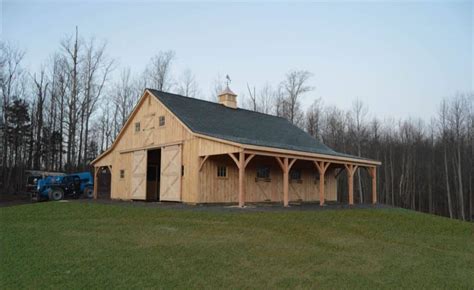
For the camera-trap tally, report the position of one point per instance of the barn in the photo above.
(180, 149)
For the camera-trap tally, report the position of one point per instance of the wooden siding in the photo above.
(211, 147)
(150, 136)
(218, 189)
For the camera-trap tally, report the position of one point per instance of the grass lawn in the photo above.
(89, 245)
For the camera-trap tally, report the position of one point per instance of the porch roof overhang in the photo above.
(301, 155)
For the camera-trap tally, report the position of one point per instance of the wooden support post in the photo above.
(241, 166)
(351, 189)
(96, 173)
(350, 175)
(322, 167)
(285, 181)
(285, 167)
(373, 174)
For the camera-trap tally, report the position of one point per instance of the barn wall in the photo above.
(150, 136)
(211, 147)
(218, 189)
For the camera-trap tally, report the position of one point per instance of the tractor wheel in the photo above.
(57, 194)
(88, 193)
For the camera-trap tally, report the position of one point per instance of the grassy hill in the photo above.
(88, 245)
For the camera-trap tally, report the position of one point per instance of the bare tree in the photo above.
(95, 70)
(71, 47)
(443, 124)
(11, 76)
(314, 118)
(359, 130)
(158, 72)
(218, 85)
(267, 99)
(252, 100)
(294, 86)
(41, 87)
(457, 119)
(124, 95)
(187, 85)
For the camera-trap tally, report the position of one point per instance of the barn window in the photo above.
(162, 121)
(122, 173)
(263, 172)
(295, 174)
(221, 171)
(137, 127)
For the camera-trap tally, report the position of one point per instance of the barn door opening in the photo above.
(104, 179)
(170, 181)
(153, 175)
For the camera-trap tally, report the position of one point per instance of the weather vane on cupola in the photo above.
(228, 80)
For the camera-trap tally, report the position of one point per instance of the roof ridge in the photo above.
(214, 103)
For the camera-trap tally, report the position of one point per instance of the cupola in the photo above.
(228, 98)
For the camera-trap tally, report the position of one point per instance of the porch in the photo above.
(293, 178)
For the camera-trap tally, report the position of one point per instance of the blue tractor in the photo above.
(73, 185)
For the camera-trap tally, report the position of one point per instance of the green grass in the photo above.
(88, 245)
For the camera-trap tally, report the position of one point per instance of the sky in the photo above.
(399, 58)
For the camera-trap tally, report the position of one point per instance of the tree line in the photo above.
(61, 117)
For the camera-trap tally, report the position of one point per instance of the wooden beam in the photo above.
(326, 166)
(241, 166)
(247, 161)
(285, 182)
(322, 167)
(96, 179)
(374, 184)
(351, 168)
(282, 166)
(237, 162)
(291, 164)
(267, 151)
(203, 160)
(316, 163)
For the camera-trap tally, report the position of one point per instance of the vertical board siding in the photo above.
(150, 135)
(217, 189)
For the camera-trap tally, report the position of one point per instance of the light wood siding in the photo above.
(138, 174)
(151, 135)
(211, 147)
(217, 189)
(170, 183)
(121, 187)
(190, 179)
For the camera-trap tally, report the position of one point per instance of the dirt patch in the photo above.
(14, 199)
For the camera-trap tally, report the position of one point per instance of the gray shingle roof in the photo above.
(241, 126)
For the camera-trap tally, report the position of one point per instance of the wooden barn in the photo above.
(175, 148)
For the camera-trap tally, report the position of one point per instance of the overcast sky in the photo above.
(399, 58)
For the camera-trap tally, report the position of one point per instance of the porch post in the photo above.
(350, 175)
(322, 167)
(285, 181)
(374, 185)
(241, 166)
(96, 172)
(351, 189)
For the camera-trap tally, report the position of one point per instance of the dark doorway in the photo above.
(103, 183)
(153, 175)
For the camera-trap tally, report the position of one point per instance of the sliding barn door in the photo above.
(170, 182)
(139, 163)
